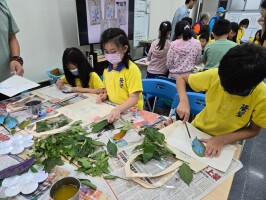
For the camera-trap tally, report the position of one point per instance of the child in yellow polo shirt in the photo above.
(257, 38)
(235, 97)
(243, 24)
(79, 73)
(122, 78)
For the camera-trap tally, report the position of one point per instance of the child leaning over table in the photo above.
(79, 73)
(235, 97)
(122, 78)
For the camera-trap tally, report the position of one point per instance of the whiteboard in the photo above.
(141, 21)
(253, 25)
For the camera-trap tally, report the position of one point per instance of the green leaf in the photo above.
(50, 163)
(23, 124)
(112, 148)
(168, 150)
(88, 183)
(76, 123)
(96, 127)
(13, 131)
(139, 158)
(138, 147)
(110, 177)
(127, 126)
(148, 153)
(85, 163)
(33, 169)
(97, 143)
(98, 156)
(185, 173)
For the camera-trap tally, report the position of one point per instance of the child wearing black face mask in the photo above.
(235, 97)
(79, 73)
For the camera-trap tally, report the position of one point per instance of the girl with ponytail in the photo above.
(184, 52)
(158, 52)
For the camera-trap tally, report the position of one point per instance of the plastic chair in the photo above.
(158, 88)
(196, 102)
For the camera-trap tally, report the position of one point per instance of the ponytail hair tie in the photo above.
(165, 24)
(186, 27)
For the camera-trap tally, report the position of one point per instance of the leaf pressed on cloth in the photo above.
(10, 122)
(198, 147)
(112, 148)
(185, 173)
(22, 125)
(2, 119)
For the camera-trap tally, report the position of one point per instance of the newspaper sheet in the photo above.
(203, 183)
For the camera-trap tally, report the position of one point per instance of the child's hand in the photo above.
(101, 97)
(114, 115)
(214, 146)
(183, 110)
(59, 83)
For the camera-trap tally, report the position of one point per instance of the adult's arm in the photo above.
(15, 66)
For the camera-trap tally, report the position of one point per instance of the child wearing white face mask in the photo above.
(243, 24)
(122, 78)
(79, 73)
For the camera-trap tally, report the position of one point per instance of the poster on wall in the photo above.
(95, 11)
(121, 12)
(109, 6)
(104, 14)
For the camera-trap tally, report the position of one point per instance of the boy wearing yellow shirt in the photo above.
(235, 97)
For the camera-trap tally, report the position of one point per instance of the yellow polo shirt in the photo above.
(122, 82)
(225, 113)
(94, 82)
(239, 36)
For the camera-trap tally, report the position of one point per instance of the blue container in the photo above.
(54, 78)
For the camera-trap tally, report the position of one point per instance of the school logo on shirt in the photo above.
(121, 82)
(242, 110)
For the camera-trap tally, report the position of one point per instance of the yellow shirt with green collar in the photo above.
(225, 113)
(122, 82)
(94, 82)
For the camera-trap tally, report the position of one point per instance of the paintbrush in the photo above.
(187, 130)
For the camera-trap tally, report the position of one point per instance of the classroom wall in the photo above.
(162, 11)
(46, 29)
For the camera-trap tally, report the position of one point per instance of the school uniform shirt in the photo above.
(183, 56)
(240, 34)
(225, 113)
(255, 42)
(215, 51)
(158, 58)
(121, 82)
(94, 82)
(8, 27)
